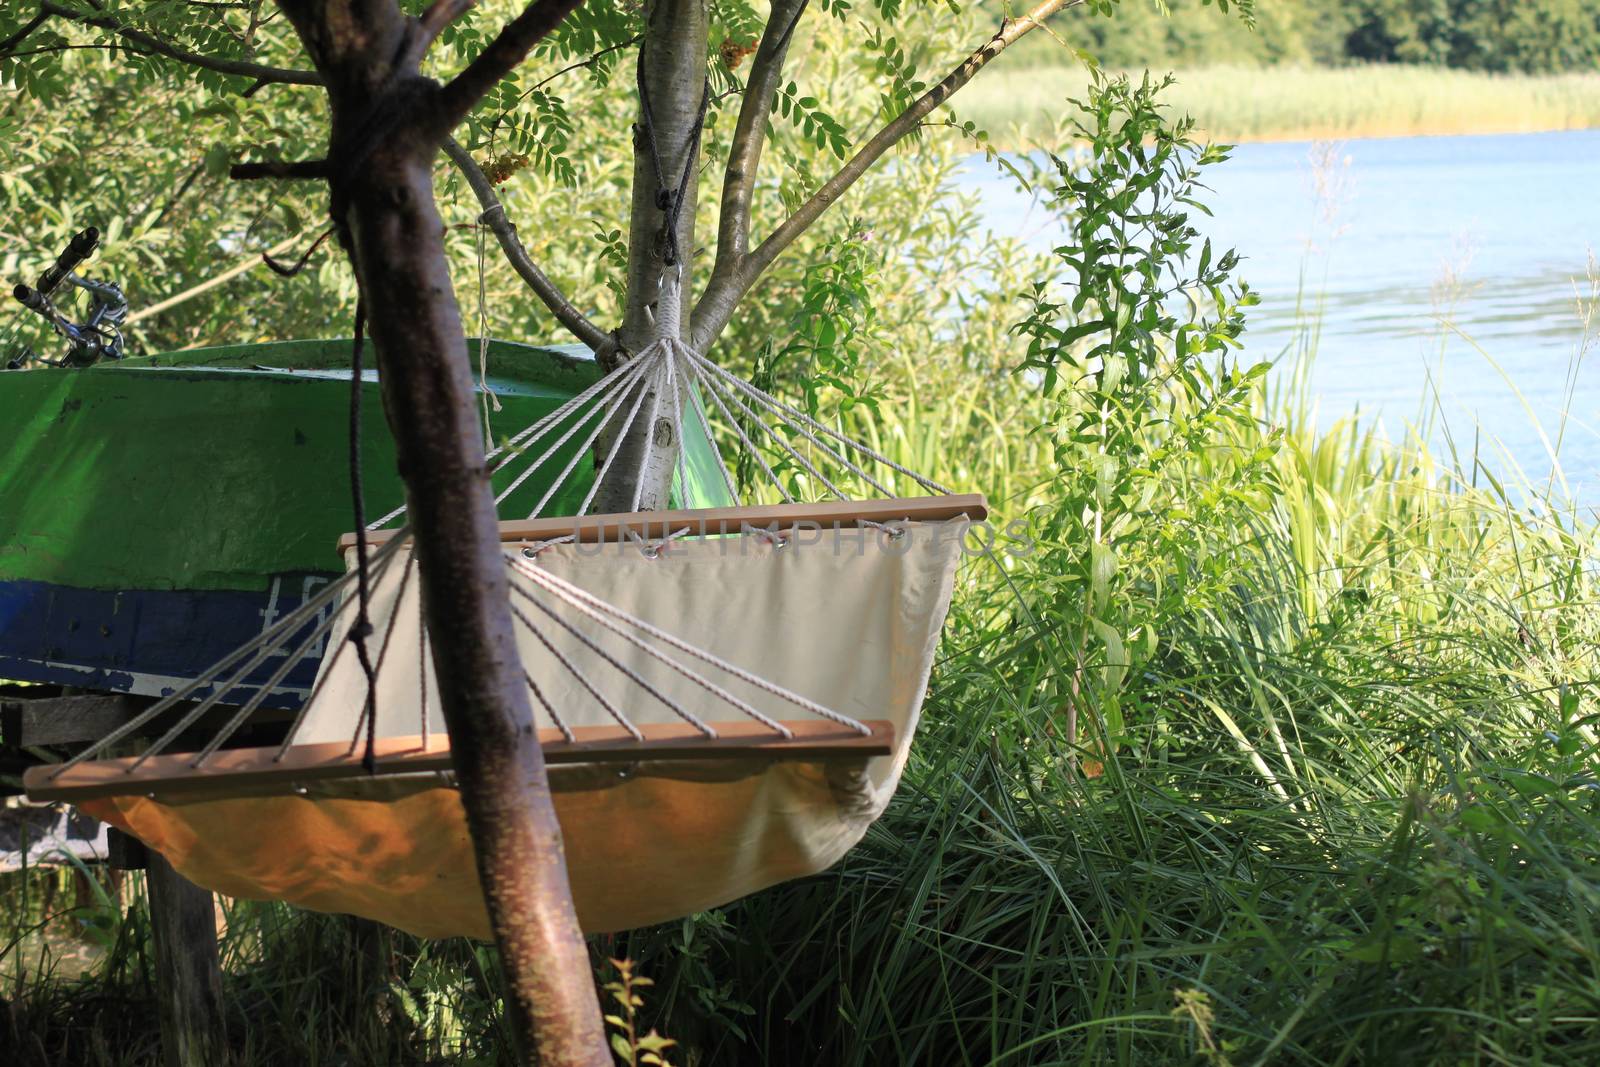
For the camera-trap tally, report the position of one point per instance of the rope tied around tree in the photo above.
(669, 200)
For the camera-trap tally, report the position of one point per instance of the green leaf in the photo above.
(216, 160)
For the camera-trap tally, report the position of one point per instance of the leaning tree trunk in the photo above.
(672, 75)
(388, 124)
(429, 397)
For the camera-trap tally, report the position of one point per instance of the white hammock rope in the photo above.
(508, 452)
(668, 373)
(749, 446)
(628, 672)
(290, 661)
(721, 394)
(269, 639)
(604, 411)
(577, 673)
(595, 607)
(722, 466)
(611, 455)
(801, 418)
(677, 429)
(659, 380)
(814, 440)
(549, 708)
(676, 665)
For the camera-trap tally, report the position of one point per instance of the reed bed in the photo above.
(1026, 104)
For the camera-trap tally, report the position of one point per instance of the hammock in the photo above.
(726, 696)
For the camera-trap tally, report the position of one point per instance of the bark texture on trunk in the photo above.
(388, 124)
(431, 404)
(673, 73)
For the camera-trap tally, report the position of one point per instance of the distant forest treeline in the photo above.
(1534, 36)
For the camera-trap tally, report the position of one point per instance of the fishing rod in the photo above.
(98, 336)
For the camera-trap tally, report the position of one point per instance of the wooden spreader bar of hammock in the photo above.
(653, 525)
(229, 769)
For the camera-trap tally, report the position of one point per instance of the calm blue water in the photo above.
(1448, 271)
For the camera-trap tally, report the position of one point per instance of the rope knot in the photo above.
(361, 630)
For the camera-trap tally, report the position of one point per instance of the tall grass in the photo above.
(1024, 104)
(1352, 820)
(1353, 817)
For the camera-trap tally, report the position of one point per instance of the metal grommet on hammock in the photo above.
(656, 549)
(778, 541)
(896, 530)
(533, 551)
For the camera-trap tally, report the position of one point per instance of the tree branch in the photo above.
(309, 169)
(494, 216)
(155, 44)
(716, 305)
(749, 137)
(27, 27)
(502, 55)
(427, 28)
(440, 14)
(583, 64)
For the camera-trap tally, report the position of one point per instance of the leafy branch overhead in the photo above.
(248, 48)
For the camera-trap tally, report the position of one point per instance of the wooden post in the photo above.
(372, 989)
(188, 968)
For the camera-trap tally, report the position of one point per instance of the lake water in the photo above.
(1448, 271)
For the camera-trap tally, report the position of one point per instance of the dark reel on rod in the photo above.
(99, 335)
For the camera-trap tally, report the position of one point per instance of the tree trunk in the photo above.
(673, 72)
(388, 124)
(432, 409)
(183, 923)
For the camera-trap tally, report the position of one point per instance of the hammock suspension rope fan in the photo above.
(725, 697)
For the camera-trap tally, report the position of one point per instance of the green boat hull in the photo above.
(158, 512)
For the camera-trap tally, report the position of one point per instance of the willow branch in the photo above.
(583, 64)
(717, 304)
(498, 59)
(151, 43)
(749, 136)
(494, 216)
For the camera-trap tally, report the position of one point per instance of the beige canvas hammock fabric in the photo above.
(849, 619)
